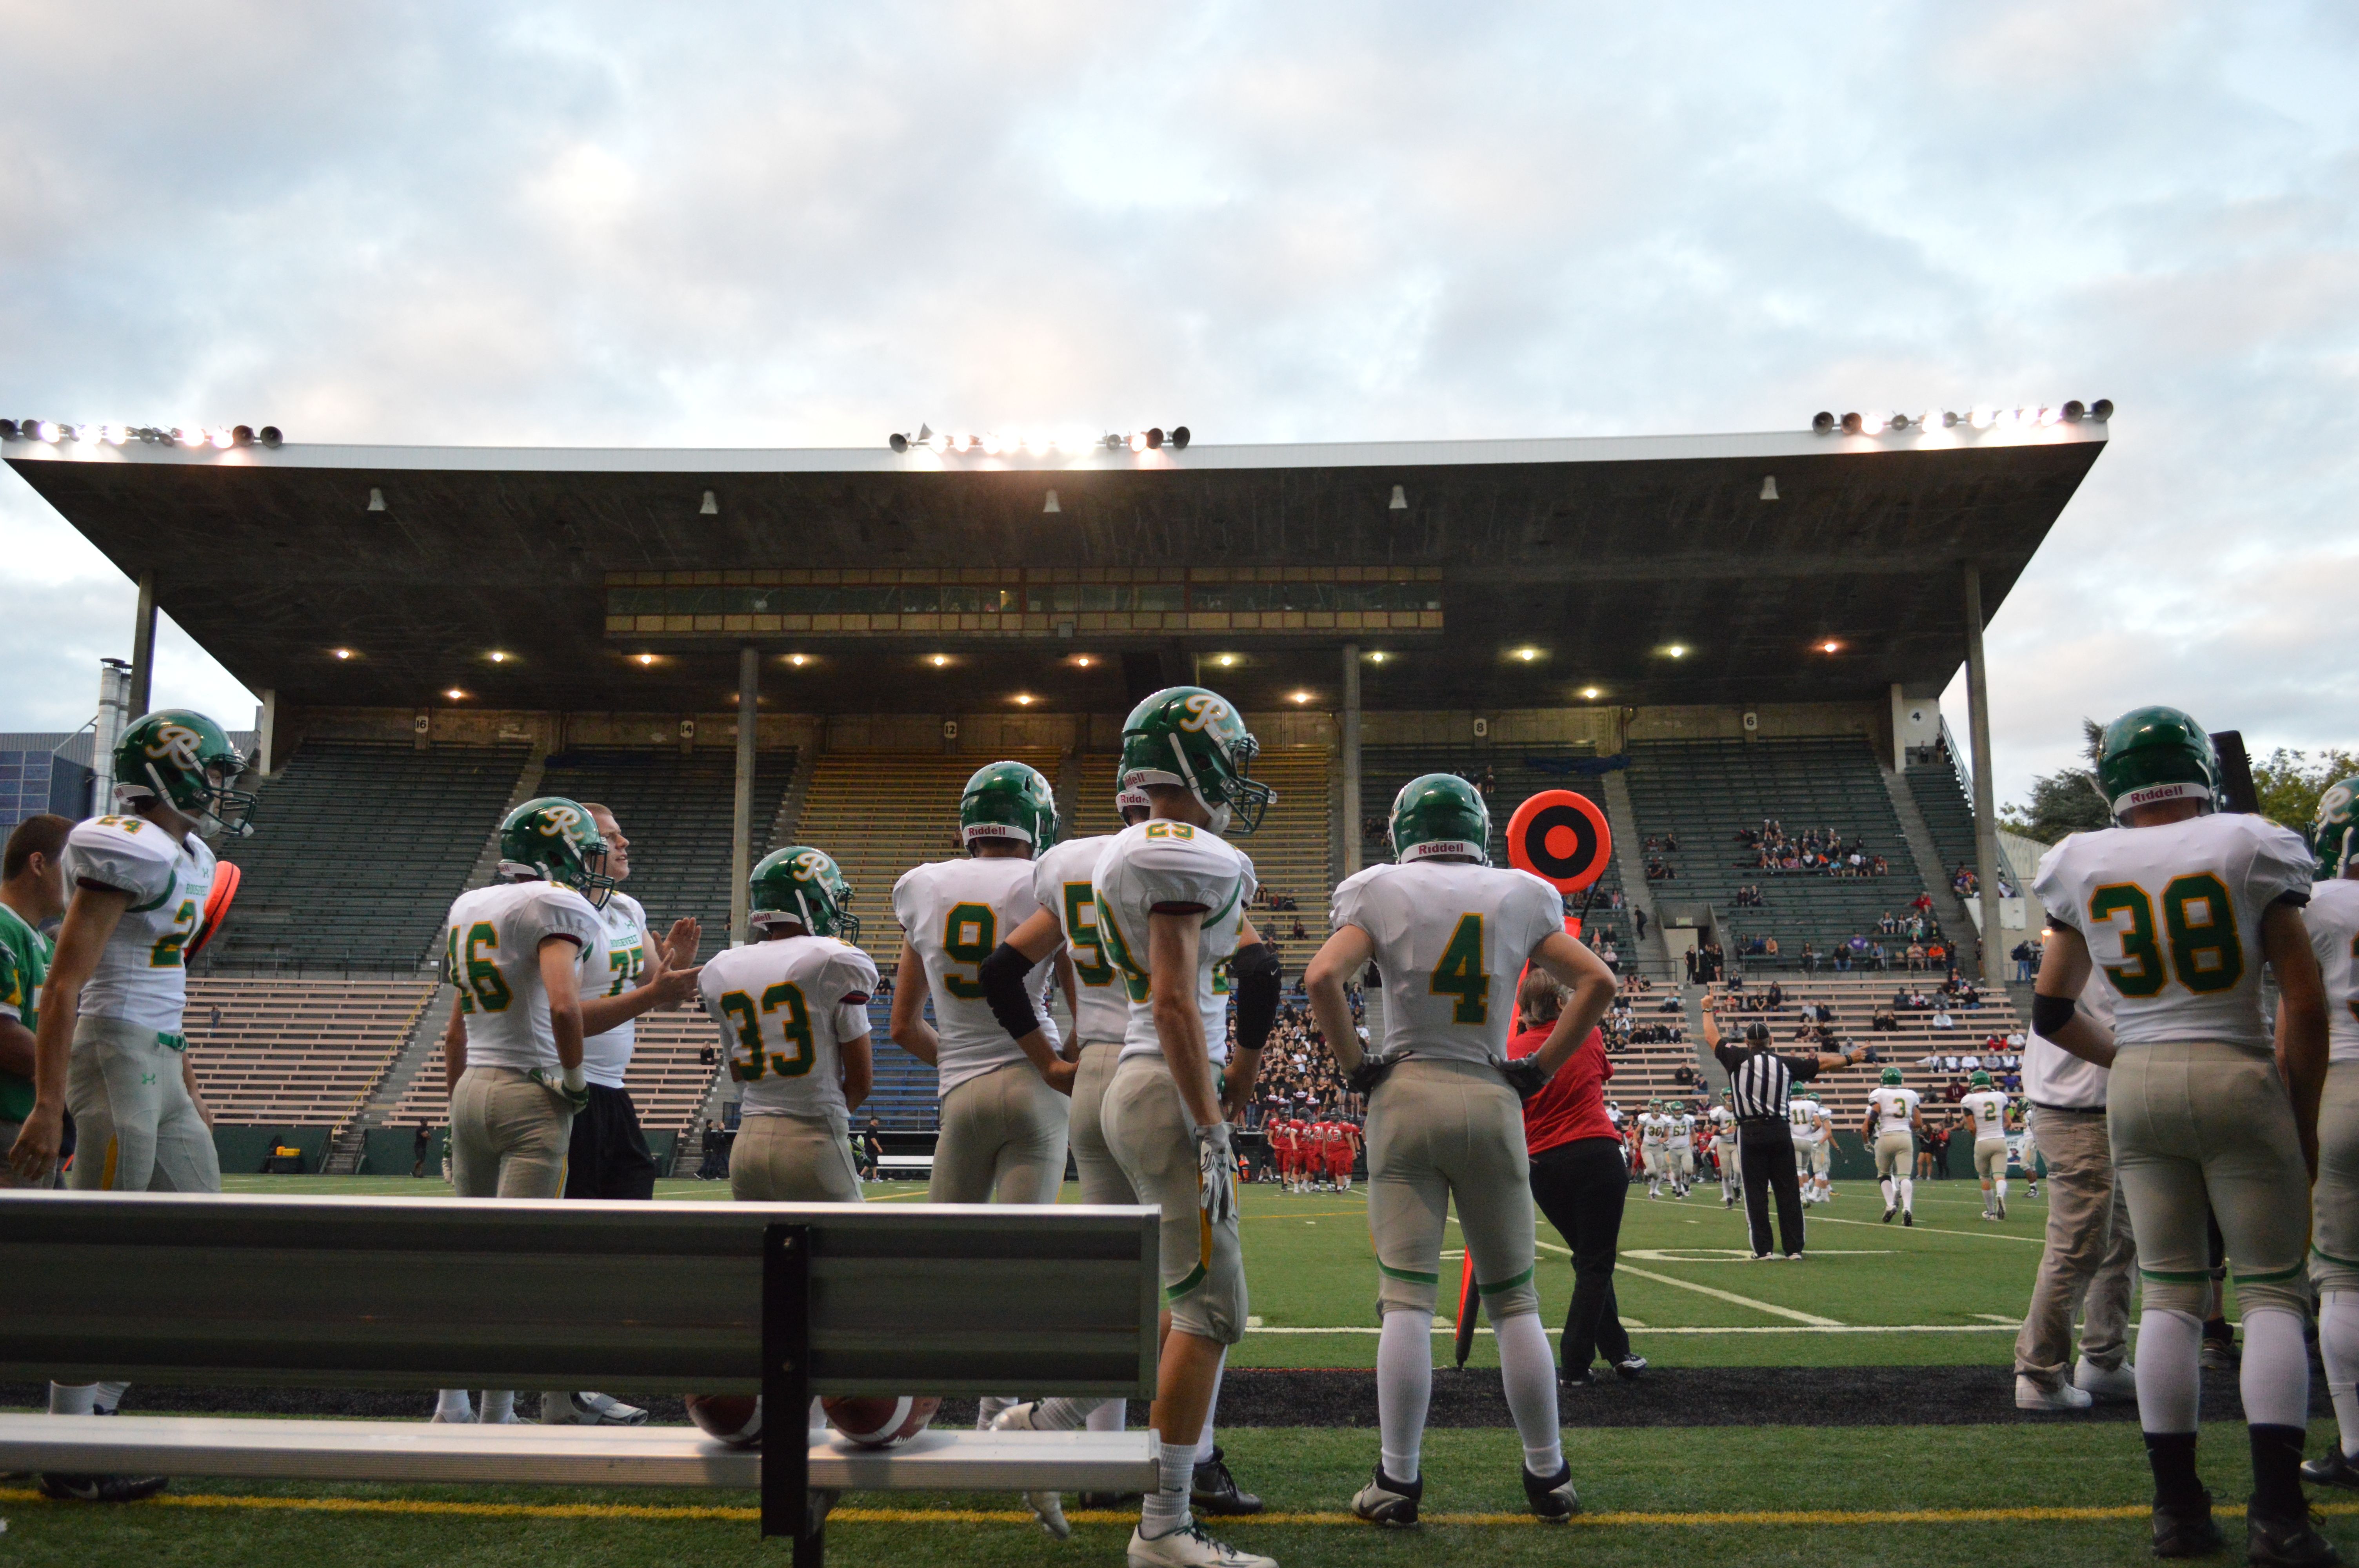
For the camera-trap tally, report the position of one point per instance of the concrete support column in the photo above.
(143, 646)
(749, 723)
(1349, 742)
(1986, 860)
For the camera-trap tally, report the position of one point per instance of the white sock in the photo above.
(818, 1415)
(2001, 1189)
(1908, 1193)
(1166, 1507)
(1110, 1415)
(2338, 1346)
(453, 1404)
(1212, 1406)
(1405, 1388)
(2169, 1386)
(1890, 1196)
(2275, 1378)
(1527, 1369)
(72, 1399)
(987, 1409)
(1064, 1415)
(498, 1405)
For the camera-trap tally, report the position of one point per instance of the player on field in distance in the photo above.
(1652, 1134)
(1890, 1129)
(107, 1040)
(1724, 1149)
(1282, 1146)
(1814, 1136)
(1986, 1111)
(606, 1153)
(1679, 1144)
(2332, 919)
(1451, 937)
(2179, 907)
(32, 894)
(1068, 917)
(526, 958)
(1171, 895)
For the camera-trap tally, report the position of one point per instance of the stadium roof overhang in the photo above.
(1488, 574)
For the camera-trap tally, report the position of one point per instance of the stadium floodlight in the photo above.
(455, 695)
(1300, 697)
(1850, 423)
(269, 436)
(1981, 416)
(342, 652)
(646, 658)
(2101, 410)
(798, 660)
(1050, 504)
(1138, 440)
(897, 441)
(497, 657)
(9, 428)
(1180, 437)
(1377, 655)
(1676, 651)
(2074, 411)
(1830, 646)
(992, 444)
(44, 430)
(1527, 655)
(223, 440)
(938, 660)
(1822, 423)
(1025, 700)
(1154, 434)
(1591, 693)
(1083, 660)
(1226, 661)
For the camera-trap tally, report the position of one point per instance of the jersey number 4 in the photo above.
(794, 1031)
(2206, 955)
(1459, 974)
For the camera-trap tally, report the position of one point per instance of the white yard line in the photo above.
(1932, 1230)
(1811, 1318)
(1444, 1328)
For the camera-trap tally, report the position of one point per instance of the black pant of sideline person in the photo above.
(608, 1157)
(1765, 1157)
(1581, 1186)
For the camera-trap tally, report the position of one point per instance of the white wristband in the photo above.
(572, 1079)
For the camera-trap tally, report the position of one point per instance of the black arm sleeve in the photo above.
(1255, 969)
(1729, 1055)
(2049, 1013)
(1804, 1068)
(1003, 987)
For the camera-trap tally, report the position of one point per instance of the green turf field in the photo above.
(1865, 1496)
(1950, 1291)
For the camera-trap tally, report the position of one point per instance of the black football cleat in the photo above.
(102, 1488)
(1212, 1490)
(2286, 1541)
(1552, 1497)
(2334, 1470)
(2186, 1531)
(1389, 1502)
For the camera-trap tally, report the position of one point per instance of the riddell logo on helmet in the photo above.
(2153, 793)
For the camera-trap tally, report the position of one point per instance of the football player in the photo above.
(1680, 1141)
(1347, 1151)
(1986, 1110)
(2332, 919)
(1451, 937)
(32, 894)
(526, 958)
(1004, 1114)
(1817, 1186)
(606, 1153)
(107, 1041)
(1650, 1146)
(1724, 1149)
(1282, 1150)
(2179, 907)
(1892, 1126)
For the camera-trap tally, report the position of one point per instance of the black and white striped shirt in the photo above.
(1760, 1082)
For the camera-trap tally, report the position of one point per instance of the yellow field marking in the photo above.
(1608, 1518)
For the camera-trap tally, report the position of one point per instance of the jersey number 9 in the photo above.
(969, 934)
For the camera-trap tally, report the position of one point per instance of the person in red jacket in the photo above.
(1581, 1174)
(1281, 1150)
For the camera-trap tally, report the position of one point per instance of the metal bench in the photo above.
(786, 1300)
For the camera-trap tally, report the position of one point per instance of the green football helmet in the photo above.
(1440, 814)
(804, 885)
(1186, 736)
(1890, 1078)
(554, 838)
(1978, 1079)
(2334, 831)
(184, 759)
(1128, 800)
(1008, 800)
(2153, 754)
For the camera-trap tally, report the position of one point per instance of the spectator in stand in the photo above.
(1809, 958)
(1581, 1180)
(1916, 957)
(1882, 1020)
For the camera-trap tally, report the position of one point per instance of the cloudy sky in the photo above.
(800, 225)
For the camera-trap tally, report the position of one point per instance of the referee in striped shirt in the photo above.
(1759, 1083)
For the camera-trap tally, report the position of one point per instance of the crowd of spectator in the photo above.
(1814, 851)
(1300, 1077)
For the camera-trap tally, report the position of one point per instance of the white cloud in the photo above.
(771, 225)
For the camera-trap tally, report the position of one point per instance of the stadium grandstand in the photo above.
(738, 650)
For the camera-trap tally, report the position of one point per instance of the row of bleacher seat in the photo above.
(302, 1053)
(359, 847)
(667, 1079)
(678, 812)
(1854, 1001)
(1703, 792)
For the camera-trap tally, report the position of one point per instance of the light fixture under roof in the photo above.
(497, 657)
(646, 658)
(1083, 660)
(1590, 693)
(798, 660)
(342, 652)
(1675, 650)
(1226, 661)
(1377, 655)
(938, 660)
(1528, 655)
(1301, 697)
(455, 695)
(1830, 646)
(1025, 700)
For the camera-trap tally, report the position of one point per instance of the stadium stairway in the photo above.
(528, 788)
(1703, 792)
(345, 1152)
(1653, 952)
(407, 824)
(1929, 851)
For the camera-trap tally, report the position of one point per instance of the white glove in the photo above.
(1217, 1172)
(569, 1083)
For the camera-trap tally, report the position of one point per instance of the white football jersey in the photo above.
(139, 979)
(1988, 1108)
(784, 1009)
(1802, 1115)
(954, 912)
(2334, 921)
(1683, 1128)
(491, 952)
(1651, 1129)
(2172, 917)
(606, 1057)
(1061, 881)
(1723, 1122)
(1892, 1109)
(1158, 863)
(1451, 940)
